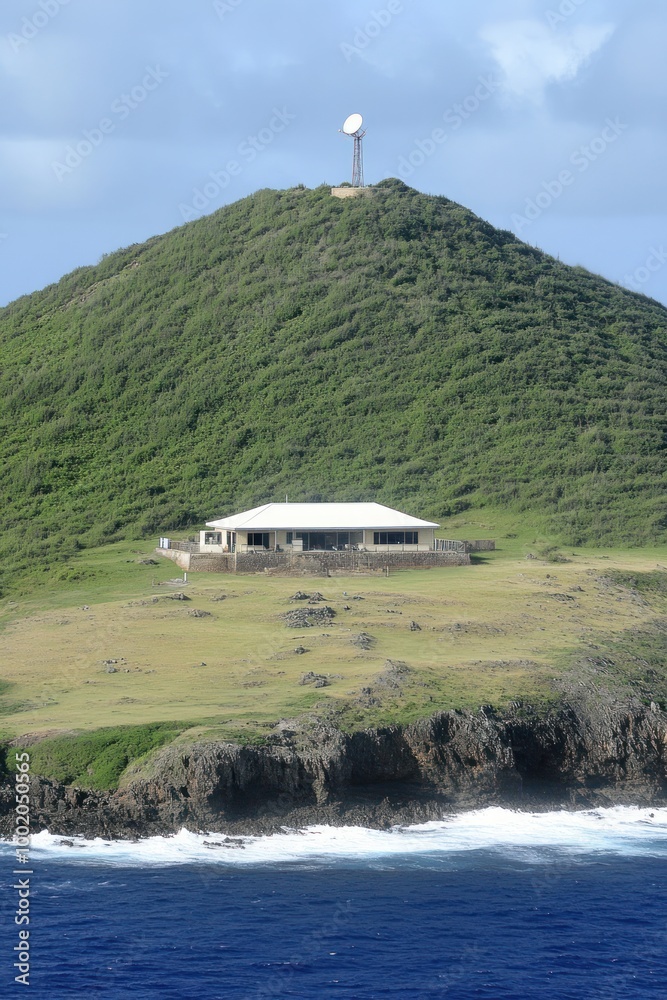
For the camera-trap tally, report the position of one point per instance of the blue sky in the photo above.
(121, 118)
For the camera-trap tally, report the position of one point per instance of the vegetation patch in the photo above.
(649, 584)
(96, 760)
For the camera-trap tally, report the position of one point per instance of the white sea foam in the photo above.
(530, 837)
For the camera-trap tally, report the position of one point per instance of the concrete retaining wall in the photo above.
(481, 545)
(311, 563)
(351, 192)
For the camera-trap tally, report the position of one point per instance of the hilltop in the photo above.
(395, 348)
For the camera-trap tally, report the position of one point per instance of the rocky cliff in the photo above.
(570, 758)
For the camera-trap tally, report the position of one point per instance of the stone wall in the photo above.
(312, 563)
(207, 562)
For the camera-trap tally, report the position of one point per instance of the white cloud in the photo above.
(531, 56)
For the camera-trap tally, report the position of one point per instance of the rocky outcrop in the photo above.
(317, 774)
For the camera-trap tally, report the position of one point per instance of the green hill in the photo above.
(394, 347)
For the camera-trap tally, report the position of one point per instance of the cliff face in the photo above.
(452, 761)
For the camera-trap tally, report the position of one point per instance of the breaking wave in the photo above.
(529, 837)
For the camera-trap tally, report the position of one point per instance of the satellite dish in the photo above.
(352, 124)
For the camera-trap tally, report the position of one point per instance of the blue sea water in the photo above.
(493, 904)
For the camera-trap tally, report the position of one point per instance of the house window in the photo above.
(396, 538)
(258, 539)
(289, 536)
(328, 541)
(212, 538)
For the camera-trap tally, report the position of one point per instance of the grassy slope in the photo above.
(492, 633)
(394, 348)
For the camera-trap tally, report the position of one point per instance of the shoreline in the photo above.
(313, 774)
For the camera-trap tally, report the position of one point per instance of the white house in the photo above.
(318, 527)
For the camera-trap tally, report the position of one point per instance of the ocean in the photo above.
(490, 904)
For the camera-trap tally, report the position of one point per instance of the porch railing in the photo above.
(169, 543)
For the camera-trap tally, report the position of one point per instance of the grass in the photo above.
(96, 760)
(501, 630)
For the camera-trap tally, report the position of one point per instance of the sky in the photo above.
(122, 119)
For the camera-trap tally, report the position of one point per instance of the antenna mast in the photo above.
(353, 128)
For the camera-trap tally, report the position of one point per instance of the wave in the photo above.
(529, 837)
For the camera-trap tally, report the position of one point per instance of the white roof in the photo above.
(319, 517)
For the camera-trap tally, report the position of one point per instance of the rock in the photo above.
(317, 680)
(198, 613)
(309, 617)
(300, 596)
(346, 607)
(177, 597)
(148, 562)
(300, 650)
(367, 699)
(414, 627)
(394, 675)
(317, 598)
(111, 670)
(363, 640)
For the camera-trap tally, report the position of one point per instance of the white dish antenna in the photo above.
(353, 124)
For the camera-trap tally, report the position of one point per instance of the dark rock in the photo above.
(300, 650)
(414, 627)
(177, 597)
(309, 617)
(197, 613)
(317, 680)
(299, 596)
(578, 758)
